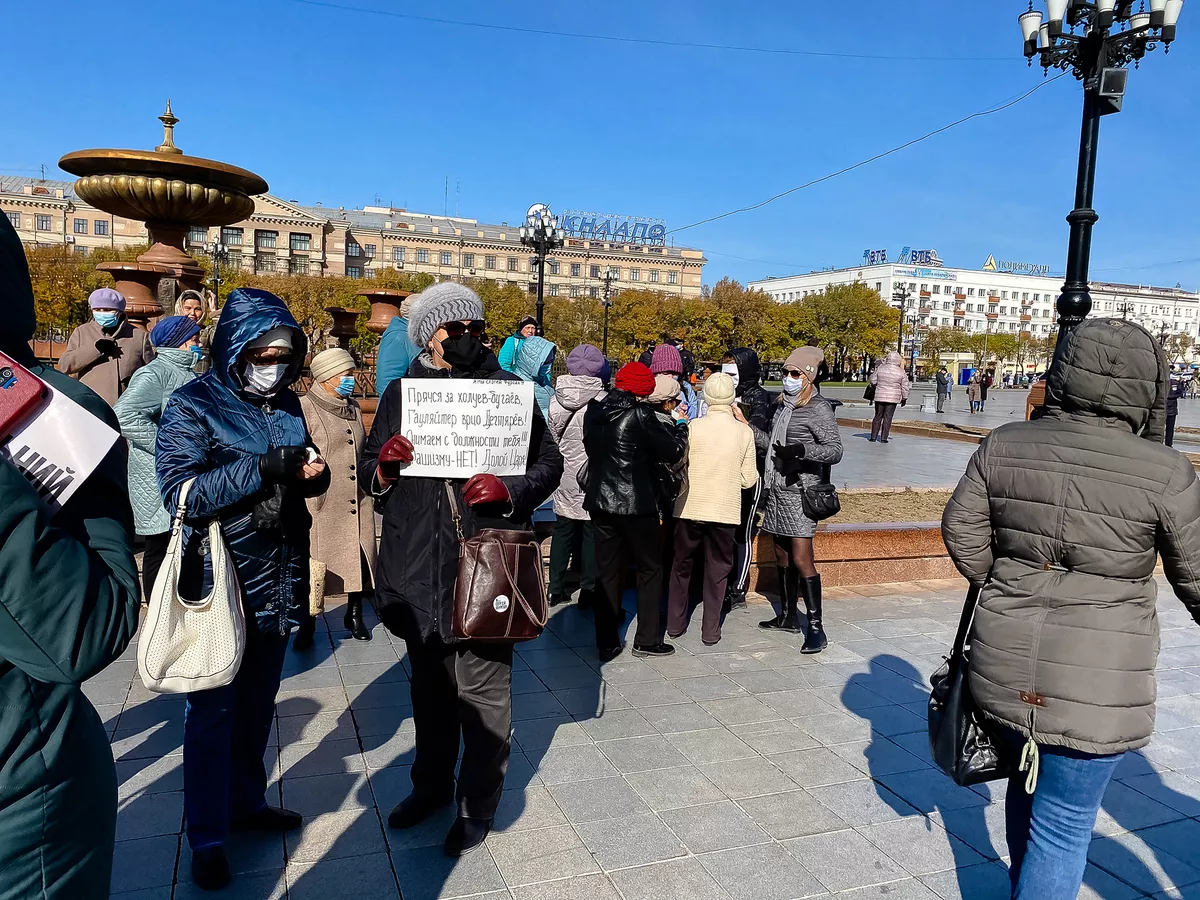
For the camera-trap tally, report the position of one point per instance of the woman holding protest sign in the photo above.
(459, 688)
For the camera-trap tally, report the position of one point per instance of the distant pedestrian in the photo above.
(627, 445)
(721, 464)
(1177, 390)
(891, 390)
(342, 540)
(667, 360)
(803, 440)
(583, 385)
(507, 357)
(975, 392)
(1060, 523)
(177, 345)
(105, 351)
(985, 382)
(943, 388)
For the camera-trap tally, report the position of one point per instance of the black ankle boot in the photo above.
(354, 618)
(787, 600)
(210, 868)
(304, 634)
(465, 835)
(815, 640)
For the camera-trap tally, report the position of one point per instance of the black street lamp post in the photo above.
(1078, 36)
(608, 280)
(542, 235)
(219, 254)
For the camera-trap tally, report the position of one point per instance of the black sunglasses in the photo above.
(458, 329)
(794, 373)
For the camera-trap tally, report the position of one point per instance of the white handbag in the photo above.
(192, 646)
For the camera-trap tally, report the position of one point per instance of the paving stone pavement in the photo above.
(745, 771)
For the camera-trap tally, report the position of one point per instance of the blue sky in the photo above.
(342, 107)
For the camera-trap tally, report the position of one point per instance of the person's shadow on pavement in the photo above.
(912, 787)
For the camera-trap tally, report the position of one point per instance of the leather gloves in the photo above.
(108, 347)
(481, 489)
(790, 451)
(282, 464)
(789, 461)
(397, 452)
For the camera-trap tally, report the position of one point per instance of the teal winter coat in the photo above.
(68, 607)
(533, 360)
(139, 411)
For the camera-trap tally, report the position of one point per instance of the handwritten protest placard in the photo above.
(461, 428)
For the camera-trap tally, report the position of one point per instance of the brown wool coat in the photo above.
(106, 376)
(1061, 521)
(344, 516)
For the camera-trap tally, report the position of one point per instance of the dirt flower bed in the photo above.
(891, 506)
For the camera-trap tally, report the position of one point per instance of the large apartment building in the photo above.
(284, 237)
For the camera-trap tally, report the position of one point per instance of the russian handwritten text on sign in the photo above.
(462, 428)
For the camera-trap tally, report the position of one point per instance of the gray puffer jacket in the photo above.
(572, 394)
(1062, 520)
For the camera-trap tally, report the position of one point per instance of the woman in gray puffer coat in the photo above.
(803, 442)
(587, 373)
(1060, 522)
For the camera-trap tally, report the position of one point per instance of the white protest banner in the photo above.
(59, 448)
(460, 428)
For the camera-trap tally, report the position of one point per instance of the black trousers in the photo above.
(1170, 435)
(462, 690)
(743, 551)
(153, 554)
(718, 542)
(641, 537)
(881, 425)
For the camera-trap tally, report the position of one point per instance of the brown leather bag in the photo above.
(499, 594)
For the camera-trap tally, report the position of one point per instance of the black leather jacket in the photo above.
(757, 403)
(627, 446)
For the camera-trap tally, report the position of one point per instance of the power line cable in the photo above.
(653, 42)
(865, 162)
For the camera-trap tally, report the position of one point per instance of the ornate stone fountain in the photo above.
(170, 192)
(385, 306)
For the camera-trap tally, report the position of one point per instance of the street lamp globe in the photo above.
(541, 234)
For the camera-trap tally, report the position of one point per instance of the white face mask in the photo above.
(792, 386)
(264, 380)
(731, 370)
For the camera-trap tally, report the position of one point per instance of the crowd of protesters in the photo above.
(651, 473)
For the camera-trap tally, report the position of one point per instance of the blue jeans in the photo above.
(1050, 830)
(225, 734)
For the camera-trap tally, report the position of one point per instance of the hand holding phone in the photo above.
(21, 394)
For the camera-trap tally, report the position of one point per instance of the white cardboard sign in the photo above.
(461, 428)
(59, 448)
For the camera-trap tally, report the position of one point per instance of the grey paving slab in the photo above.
(257, 886)
(921, 845)
(791, 814)
(747, 777)
(544, 854)
(144, 863)
(761, 872)
(641, 754)
(984, 882)
(674, 788)
(337, 835)
(633, 841)
(714, 826)
(677, 879)
(360, 877)
(842, 860)
(149, 815)
(597, 799)
(584, 887)
(710, 746)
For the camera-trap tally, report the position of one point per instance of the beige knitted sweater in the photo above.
(721, 462)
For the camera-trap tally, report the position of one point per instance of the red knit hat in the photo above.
(636, 379)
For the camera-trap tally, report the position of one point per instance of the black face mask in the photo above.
(464, 352)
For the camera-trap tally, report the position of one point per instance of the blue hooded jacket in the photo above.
(396, 353)
(532, 363)
(215, 432)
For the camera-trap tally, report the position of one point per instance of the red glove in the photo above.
(482, 489)
(397, 452)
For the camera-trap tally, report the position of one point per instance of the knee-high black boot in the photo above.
(304, 634)
(815, 640)
(354, 617)
(788, 602)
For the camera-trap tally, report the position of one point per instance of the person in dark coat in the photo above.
(69, 600)
(1178, 389)
(460, 689)
(239, 433)
(757, 406)
(628, 446)
(943, 388)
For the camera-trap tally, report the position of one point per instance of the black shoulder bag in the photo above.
(961, 740)
(820, 500)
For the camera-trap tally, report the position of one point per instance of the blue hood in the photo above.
(247, 315)
(531, 356)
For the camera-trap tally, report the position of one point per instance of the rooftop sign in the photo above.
(1014, 268)
(606, 227)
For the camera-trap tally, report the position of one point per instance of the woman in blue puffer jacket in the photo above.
(239, 432)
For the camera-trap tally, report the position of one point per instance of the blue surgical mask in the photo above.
(197, 351)
(792, 386)
(345, 386)
(106, 319)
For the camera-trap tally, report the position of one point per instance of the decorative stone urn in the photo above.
(385, 306)
(345, 324)
(170, 192)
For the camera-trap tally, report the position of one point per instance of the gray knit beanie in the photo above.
(439, 304)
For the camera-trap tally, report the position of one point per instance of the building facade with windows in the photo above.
(980, 300)
(286, 238)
